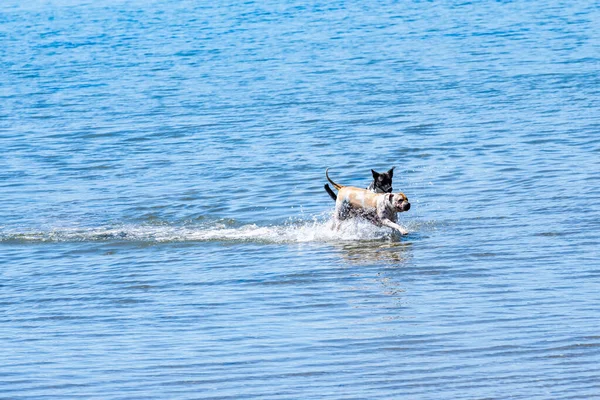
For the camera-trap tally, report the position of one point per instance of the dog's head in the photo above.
(399, 202)
(383, 181)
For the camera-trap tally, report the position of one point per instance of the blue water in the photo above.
(164, 232)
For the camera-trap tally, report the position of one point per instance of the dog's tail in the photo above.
(335, 185)
(330, 192)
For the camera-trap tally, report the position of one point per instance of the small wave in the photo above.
(290, 232)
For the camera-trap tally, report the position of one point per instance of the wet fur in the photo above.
(382, 183)
(380, 208)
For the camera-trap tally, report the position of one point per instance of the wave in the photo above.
(288, 232)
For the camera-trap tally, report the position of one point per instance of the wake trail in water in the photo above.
(290, 232)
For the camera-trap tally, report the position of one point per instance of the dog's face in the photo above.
(383, 182)
(399, 202)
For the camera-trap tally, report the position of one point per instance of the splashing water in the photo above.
(315, 230)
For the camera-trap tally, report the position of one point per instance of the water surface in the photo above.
(164, 232)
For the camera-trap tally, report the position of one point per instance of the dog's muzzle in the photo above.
(405, 206)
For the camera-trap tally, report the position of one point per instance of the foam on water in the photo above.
(315, 230)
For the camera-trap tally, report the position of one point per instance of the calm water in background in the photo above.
(164, 232)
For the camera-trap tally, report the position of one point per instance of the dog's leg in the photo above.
(336, 221)
(340, 213)
(394, 225)
(330, 192)
(336, 224)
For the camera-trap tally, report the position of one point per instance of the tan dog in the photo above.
(379, 208)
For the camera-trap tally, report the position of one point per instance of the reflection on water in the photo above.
(378, 279)
(390, 252)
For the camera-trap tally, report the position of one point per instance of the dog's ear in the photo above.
(391, 197)
(375, 174)
(391, 172)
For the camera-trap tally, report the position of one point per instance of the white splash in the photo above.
(290, 232)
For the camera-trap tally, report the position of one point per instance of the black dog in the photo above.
(382, 183)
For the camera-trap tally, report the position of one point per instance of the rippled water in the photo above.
(164, 232)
